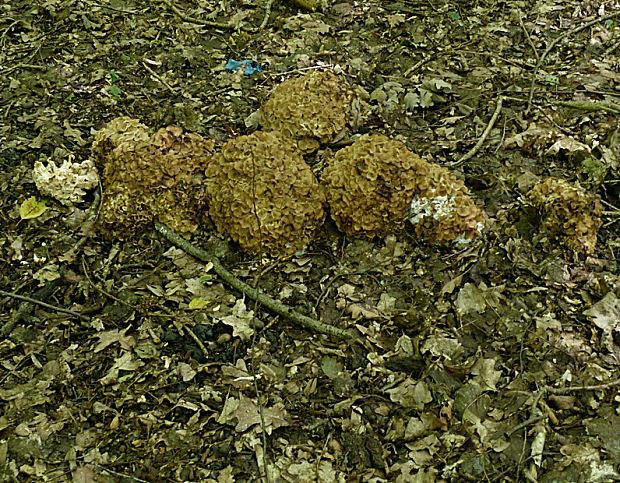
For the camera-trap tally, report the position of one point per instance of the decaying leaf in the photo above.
(605, 314)
(246, 414)
(240, 320)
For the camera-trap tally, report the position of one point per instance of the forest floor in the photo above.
(496, 362)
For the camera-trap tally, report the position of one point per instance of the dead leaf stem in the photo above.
(43, 304)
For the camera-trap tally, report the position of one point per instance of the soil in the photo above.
(134, 361)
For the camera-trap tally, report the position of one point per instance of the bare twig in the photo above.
(198, 342)
(535, 413)
(267, 14)
(417, 65)
(528, 422)
(590, 106)
(555, 42)
(158, 77)
(102, 291)
(43, 304)
(485, 134)
(188, 18)
(301, 320)
(611, 49)
(569, 389)
(529, 39)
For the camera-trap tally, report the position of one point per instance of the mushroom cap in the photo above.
(119, 130)
(369, 186)
(442, 210)
(263, 194)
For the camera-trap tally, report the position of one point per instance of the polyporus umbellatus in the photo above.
(442, 209)
(571, 214)
(311, 109)
(375, 185)
(67, 182)
(119, 130)
(263, 195)
(160, 177)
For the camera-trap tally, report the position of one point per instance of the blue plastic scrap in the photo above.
(249, 66)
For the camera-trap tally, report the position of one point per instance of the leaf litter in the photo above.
(498, 361)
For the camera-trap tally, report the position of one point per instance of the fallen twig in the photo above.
(267, 14)
(301, 320)
(569, 389)
(538, 418)
(158, 77)
(188, 18)
(43, 304)
(555, 42)
(536, 414)
(528, 422)
(590, 106)
(485, 134)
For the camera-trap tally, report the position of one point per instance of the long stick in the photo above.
(285, 311)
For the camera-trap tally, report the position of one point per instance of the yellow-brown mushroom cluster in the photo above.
(442, 209)
(311, 110)
(259, 190)
(147, 177)
(263, 194)
(571, 214)
(375, 185)
(119, 130)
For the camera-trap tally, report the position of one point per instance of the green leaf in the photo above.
(32, 208)
(114, 91)
(198, 303)
(331, 367)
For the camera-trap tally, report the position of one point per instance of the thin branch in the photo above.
(188, 18)
(198, 342)
(267, 14)
(556, 41)
(301, 320)
(417, 65)
(485, 134)
(539, 395)
(158, 77)
(529, 39)
(528, 422)
(43, 304)
(590, 106)
(569, 389)
(611, 49)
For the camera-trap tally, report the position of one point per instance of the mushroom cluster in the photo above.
(67, 182)
(442, 209)
(259, 190)
(147, 177)
(375, 185)
(263, 194)
(119, 130)
(571, 214)
(311, 110)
